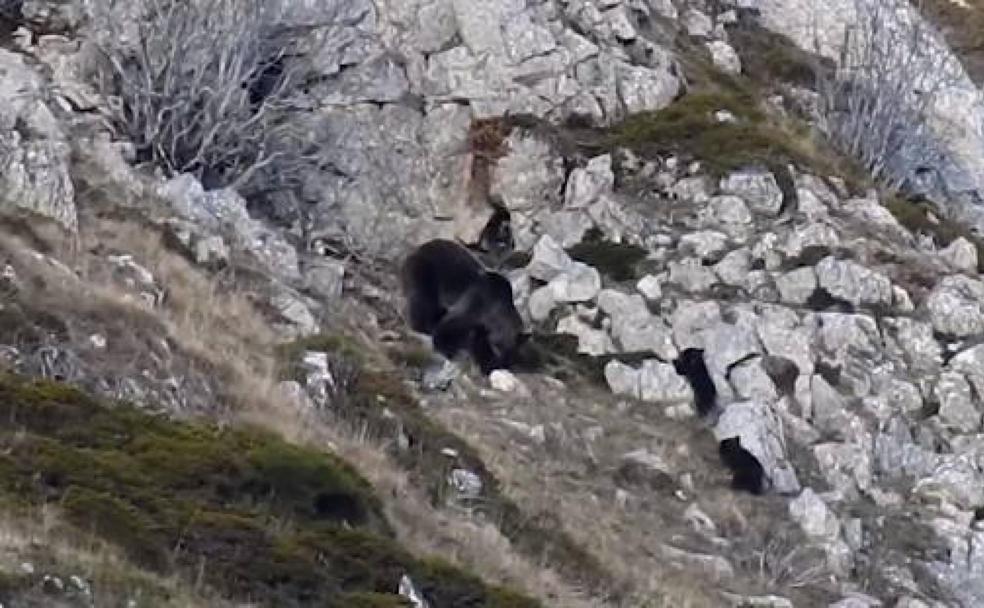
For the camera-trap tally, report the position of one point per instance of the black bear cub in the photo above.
(747, 472)
(690, 364)
(461, 305)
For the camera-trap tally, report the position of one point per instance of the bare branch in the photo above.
(877, 105)
(209, 87)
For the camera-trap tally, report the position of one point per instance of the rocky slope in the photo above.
(664, 194)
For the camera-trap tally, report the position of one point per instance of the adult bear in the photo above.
(461, 305)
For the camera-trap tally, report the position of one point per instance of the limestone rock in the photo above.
(585, 185)
(756, 187)
(957, 407)
(961, 254)
(796, 286)
(854, 283)
(549, 260)
(956, 306)
(724, 57)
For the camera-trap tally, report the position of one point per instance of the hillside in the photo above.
(211, 395)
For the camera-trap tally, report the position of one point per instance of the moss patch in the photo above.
(254, 516)
(689, 127)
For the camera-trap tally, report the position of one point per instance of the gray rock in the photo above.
(691, 276)
(724, 57)
(549, 260)
(829, 407)
(814, 516)
(530, 176)
(590, 341)
(541, 303)
(818, 234)
(728, 212)
(325, 278)
(654, 381)
(651, 287)
(734, 267)
(634, 328)
(567, 228)
(956, 480)
(705, 244)
(796, 286)
(956, 306)
(957, 408)
(465, 483)
(914, 341)
(970, 363)
(646, 89)
(713, 566)
(698, 24)
(961, 254)
(758, 188)
(696, 189)
(585, 185)
(578, 283)
(854, 283)
(752, 382)
(34, 154)
(691, 320)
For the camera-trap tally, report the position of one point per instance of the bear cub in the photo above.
(747, 473)
(461, 304)
(690, 364)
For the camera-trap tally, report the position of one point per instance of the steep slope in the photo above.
(291, 442)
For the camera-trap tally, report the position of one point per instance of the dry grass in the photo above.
(41, 540)
(218, 327)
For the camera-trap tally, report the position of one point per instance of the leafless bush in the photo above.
(876, 106)
(210, 87)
